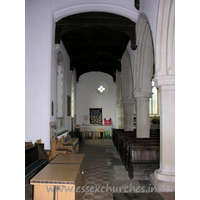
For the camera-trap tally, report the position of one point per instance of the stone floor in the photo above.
(106, 178)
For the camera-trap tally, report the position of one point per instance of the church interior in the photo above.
(100, 99)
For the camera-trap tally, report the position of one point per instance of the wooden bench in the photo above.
(28, 145)
(65, 145)
(130, 144)
(123, 135)
(72, 147)
(35, 159)
(56, 148)
(76, 134)
(71, 143)
(134, 150)
(114, 135)
(130, 141)
(126, 139)
(143, 154)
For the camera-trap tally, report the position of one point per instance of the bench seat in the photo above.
(35, 158)
(143, 154)
(74, 147)
(35, 166)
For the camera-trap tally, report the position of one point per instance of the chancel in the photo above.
(100, 79)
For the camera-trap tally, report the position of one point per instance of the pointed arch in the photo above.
(165, 39)
(144, 58)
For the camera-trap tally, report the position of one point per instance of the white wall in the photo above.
(38, 41)
(87, 97)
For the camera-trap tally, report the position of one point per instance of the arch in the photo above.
(131, 14)
(102, 71)
(165, 39)
(144, 59)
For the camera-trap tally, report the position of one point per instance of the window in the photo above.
(60, 91)
(154, 101)
(101, 88)
(60, 96)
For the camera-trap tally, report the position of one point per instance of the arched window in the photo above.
(60, 94)
(154, 101)
(72, 96)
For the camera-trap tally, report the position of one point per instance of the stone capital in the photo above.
(142, 94)
(128, 101)
(165, 82)
(119, 104)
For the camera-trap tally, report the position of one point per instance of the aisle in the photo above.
(96, 169)
(103, 168)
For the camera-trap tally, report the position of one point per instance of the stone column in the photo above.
(142, 114)
(120, 107)
(128, 113)
(164, 178)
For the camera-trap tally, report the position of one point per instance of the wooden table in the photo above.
(58, 182)
(69, 159)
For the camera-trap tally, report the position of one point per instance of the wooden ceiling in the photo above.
(95, 41)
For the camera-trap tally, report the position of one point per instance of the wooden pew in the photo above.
(121, 136)
(127, 143)
(126, 150)
(146, 150)
(72, 144)
(143, 154)
(38, 141)
(35, 159)
(114, 135)
(76, 134)
(65, 145)
(132, 144)
(56, 148)
(117, 139)
(28, 145)
(128, 139)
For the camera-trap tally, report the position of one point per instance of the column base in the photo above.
(161, 175)
(162, 186)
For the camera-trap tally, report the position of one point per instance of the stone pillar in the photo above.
(120, 107)
(120, 120)
(142, 114)
(128, 113)
(164, 178)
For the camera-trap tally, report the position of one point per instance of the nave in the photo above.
(104, 170)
